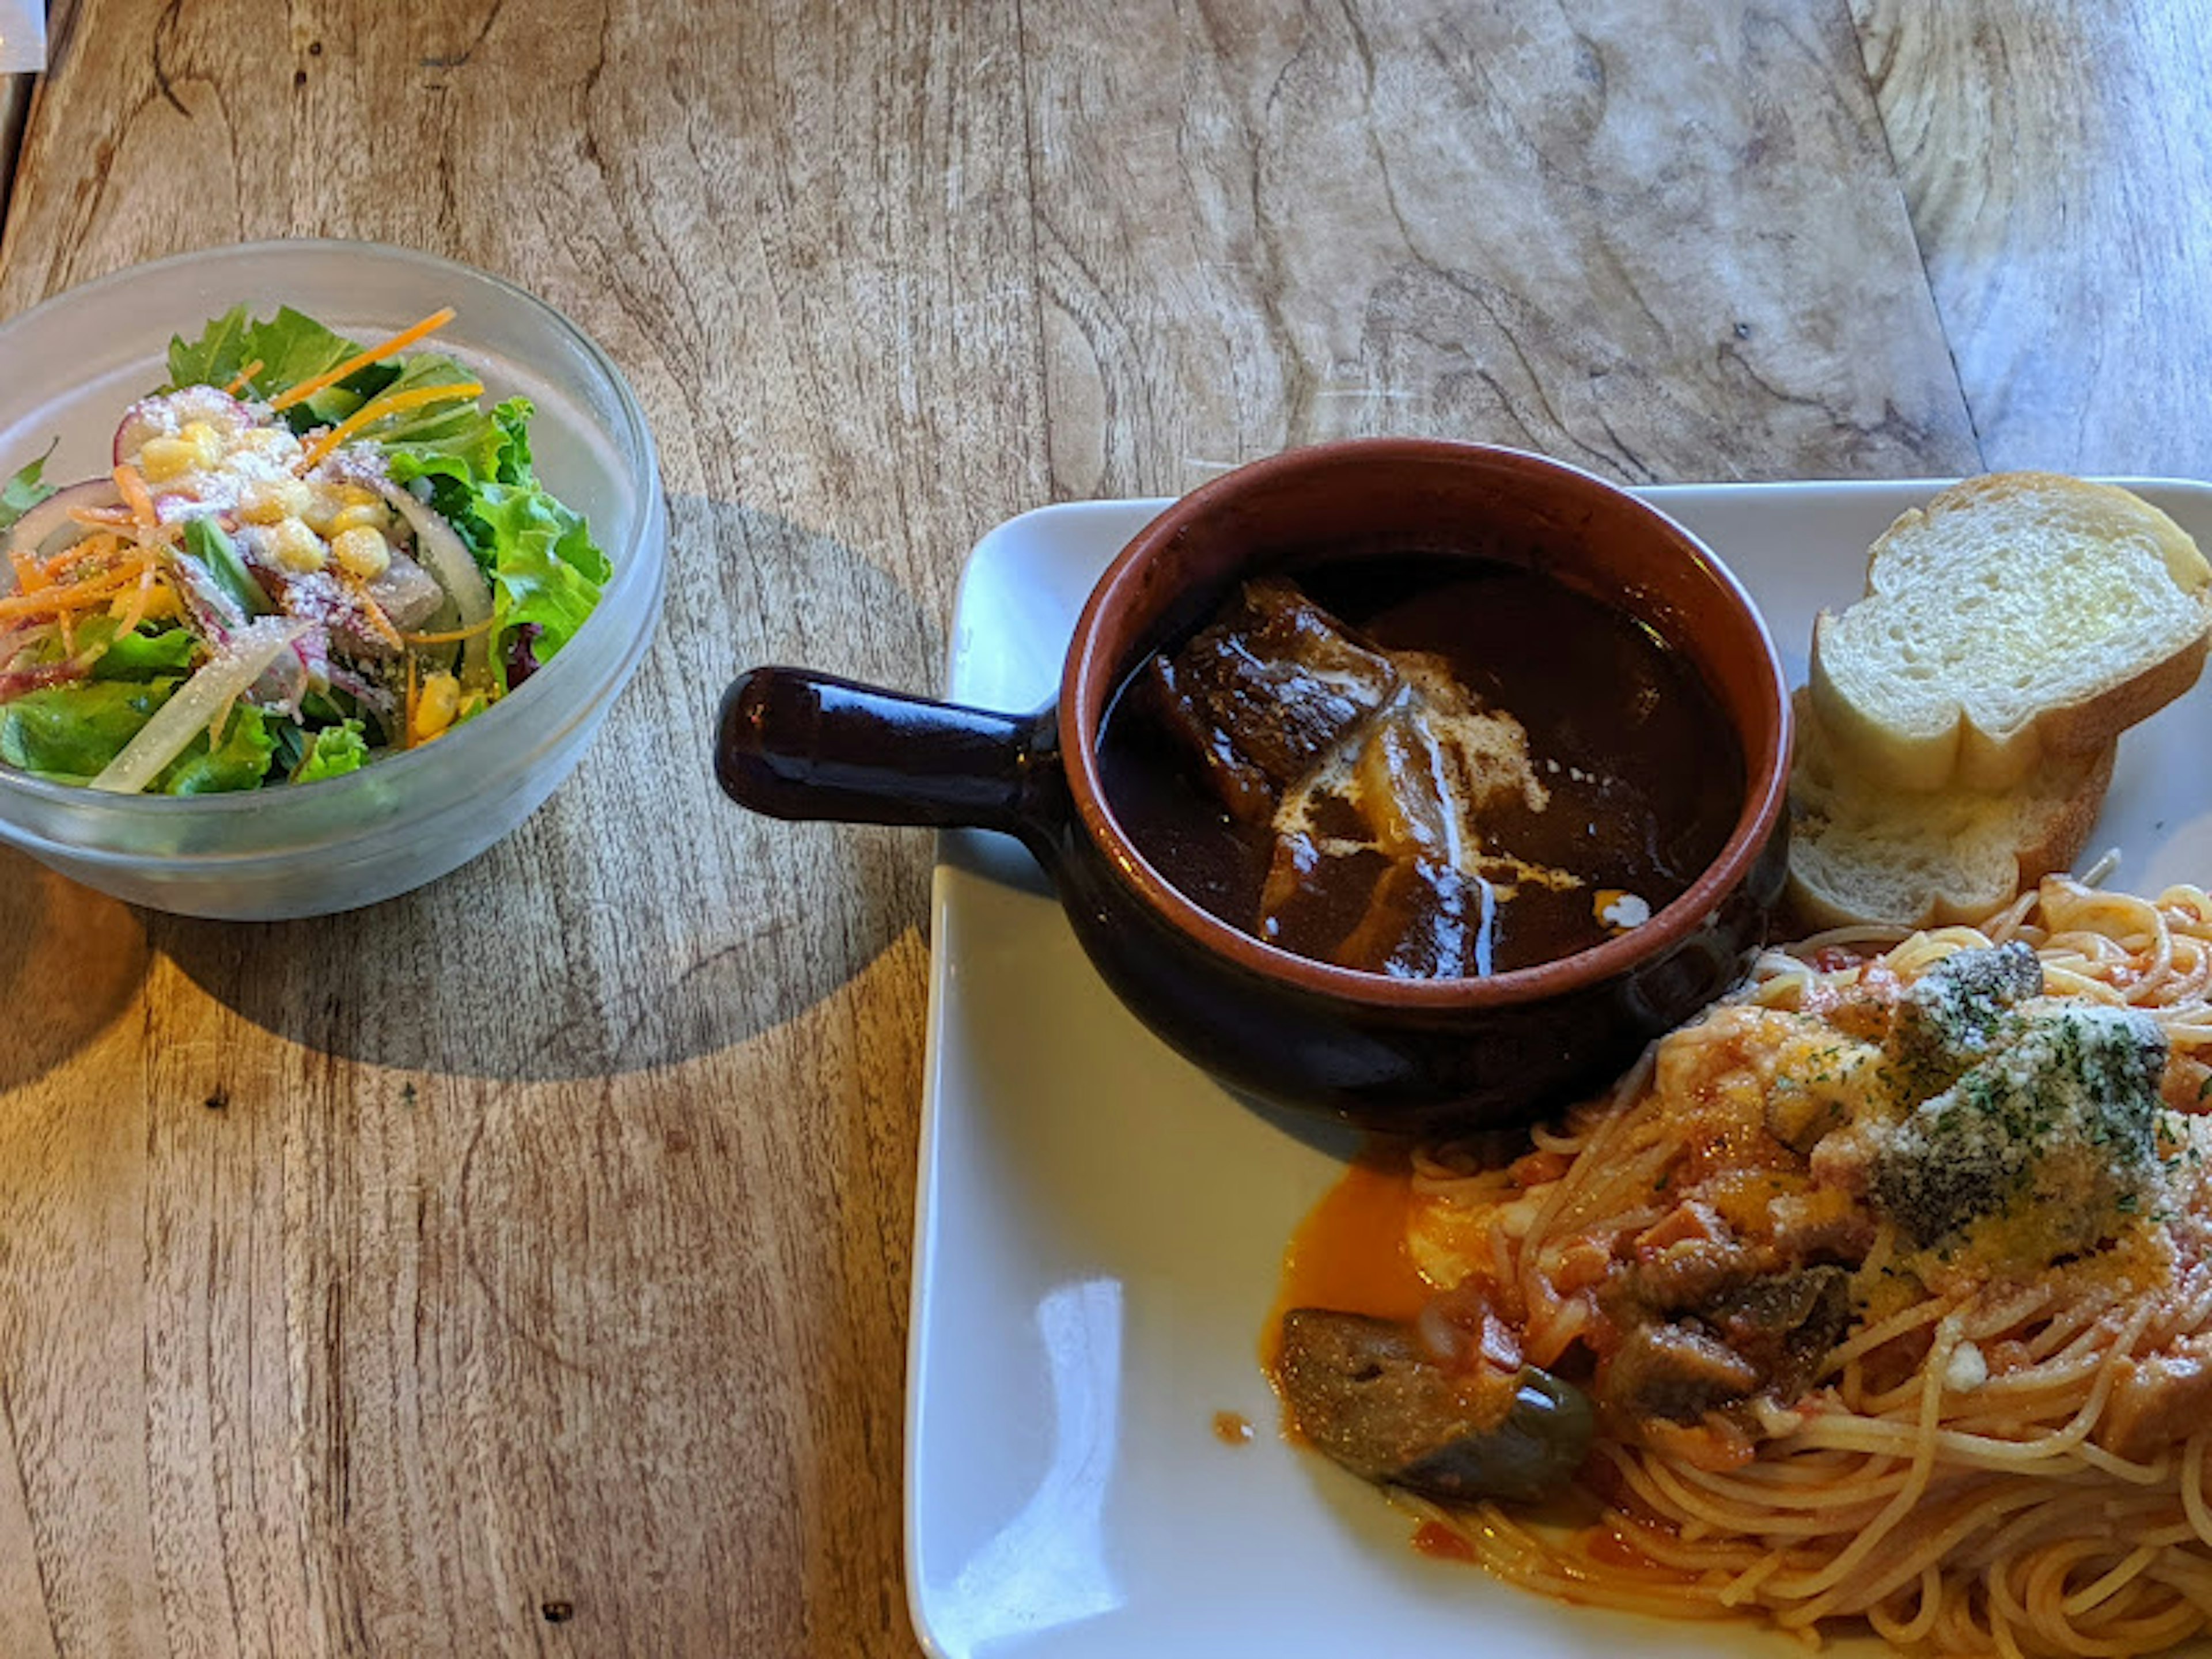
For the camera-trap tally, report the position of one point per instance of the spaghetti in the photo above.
(1999, 1444)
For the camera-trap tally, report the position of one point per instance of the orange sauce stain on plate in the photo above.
(1350, 1252)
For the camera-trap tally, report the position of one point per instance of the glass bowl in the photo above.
(77, 360)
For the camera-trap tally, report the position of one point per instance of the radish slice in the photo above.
(438, 547)
(39, 525)
(192, 709)
(152, 417)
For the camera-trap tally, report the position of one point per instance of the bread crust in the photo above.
(2093, 725)
(1833, 805)
(1965, 754)
(2065, 832)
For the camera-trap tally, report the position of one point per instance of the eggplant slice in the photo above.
(1366, 1392)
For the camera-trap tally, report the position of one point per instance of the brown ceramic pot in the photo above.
(1419, 1056)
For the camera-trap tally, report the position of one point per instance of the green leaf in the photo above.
(24, 491)
(141, 654)
(72, 732)
(545, 567)
(290, 347)
(215, 357)
(204, 540)
(240, 761)
(461, 443)
(332, 752)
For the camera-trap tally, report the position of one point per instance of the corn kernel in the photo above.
(361, 517)
(360, 551)
(266, 440)
(354, 495)
(435, 706)
(164, 459)
(274, 500)
(206, 443)
(294, 546)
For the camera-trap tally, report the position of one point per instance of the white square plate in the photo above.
(1100, 1227)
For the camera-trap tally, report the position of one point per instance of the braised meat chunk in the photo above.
(1423, 920)
(1265, 695)
(1422, 764)
(1677, 1372)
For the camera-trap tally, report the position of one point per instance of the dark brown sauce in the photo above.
(1643, 775)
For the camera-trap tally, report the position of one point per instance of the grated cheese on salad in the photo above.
(298, 534)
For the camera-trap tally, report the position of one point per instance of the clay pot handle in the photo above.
(797, 744)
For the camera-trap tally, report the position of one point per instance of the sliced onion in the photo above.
(439, 548)
(37, 526)
(242, 660)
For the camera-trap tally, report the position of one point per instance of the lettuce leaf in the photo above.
(543, 566)
(215, 357)
(144, 653)
(240, 761)
(290, 347)
(24, 491)
(460, 444)
(434, 423)
(204, 540)
(70, 732)
(332, 752)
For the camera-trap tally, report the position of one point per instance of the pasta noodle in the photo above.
(1958, 1476)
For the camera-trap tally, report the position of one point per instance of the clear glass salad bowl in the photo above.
(76, 362)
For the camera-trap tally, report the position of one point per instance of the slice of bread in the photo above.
(1863, 851)
(2017, 616)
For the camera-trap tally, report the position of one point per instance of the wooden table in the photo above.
(522, 1266)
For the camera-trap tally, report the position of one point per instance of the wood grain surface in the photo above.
(2054, 160)
(521, 1266)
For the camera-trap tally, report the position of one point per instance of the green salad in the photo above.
(307, 556)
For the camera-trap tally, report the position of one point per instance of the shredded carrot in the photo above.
(399, 342)
(136, 495)
(374, 613)
(76, 597)
(378, 409)
(451, 636)
(127, 620)
(109, 518)
(104, 564)
(91, 550)
(244, 378)
(30, 574)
